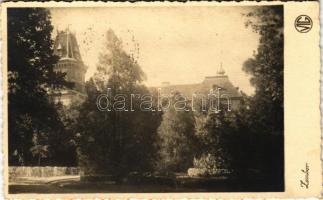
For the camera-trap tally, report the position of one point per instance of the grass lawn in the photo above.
(74, 185)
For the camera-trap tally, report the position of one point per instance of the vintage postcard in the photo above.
(161, 100)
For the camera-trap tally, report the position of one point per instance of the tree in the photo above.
(266, 67)
(265, 118)
(30, 75)
(122, 139)
(64, 143)
(177, 141)
(215, 131)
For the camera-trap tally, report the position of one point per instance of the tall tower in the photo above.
(70, 62)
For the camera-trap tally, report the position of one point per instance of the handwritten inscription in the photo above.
(305, 181)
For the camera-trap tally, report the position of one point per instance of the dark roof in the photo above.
(66, 46)
(210, 82)
(185, 90)
(224, 83)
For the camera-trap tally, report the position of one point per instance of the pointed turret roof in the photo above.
(66, 46)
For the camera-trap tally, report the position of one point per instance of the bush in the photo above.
(197, 172)
(209, 165)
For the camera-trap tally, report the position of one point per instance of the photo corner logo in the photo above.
(303, 24)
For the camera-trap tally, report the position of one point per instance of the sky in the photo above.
(180, 45)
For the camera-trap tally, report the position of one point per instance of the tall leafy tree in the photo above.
(265, 118)
(266, 67)
(121, 139)
(216, 131)
(176, 136)
(211, 134)
(32, 117)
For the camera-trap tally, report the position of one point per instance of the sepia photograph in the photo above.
(146, 99)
